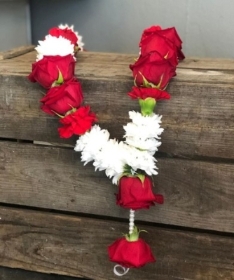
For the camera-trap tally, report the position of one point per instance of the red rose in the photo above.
(78, 122)
(161, 45)
(61, 99)
(135, 194)
(148, 31)
(46, 71)
(143, 93)
(154, 68)
(170, 34)
(65, 33)
(130, 253)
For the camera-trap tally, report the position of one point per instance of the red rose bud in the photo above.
(77, 122)
(60, 99)
(130, 253)
(135, 193)
(66, 33)
(47, 70)
(170, 35)
(143, 93)
(153, 69)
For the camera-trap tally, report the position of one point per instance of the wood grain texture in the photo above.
(16, 52)
(198, 120)
(197, 194)
(75, 246)
(19, 274)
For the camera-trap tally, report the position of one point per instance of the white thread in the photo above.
(125, 270)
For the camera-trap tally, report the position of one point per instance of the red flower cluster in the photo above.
(64, 96)
(159, 55)
(160, 52)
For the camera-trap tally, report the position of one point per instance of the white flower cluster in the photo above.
(61, 46)
(111, 155)
(80, 42)
(143, 132)
(54, 46)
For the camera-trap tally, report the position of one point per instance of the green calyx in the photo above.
(128, 172)
(59, 81)
(147, 106)
(147, 84)
(134, 236)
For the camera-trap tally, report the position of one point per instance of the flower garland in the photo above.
(132, 161)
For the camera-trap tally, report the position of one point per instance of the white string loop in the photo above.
(122, 270)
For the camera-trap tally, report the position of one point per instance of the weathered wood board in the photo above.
(197, 120)
(75, 246)
(54, 178)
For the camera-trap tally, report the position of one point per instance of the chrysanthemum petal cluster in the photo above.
(53, 46)
(113, 156)
(143, 132)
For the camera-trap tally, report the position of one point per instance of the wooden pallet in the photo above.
(57, 217)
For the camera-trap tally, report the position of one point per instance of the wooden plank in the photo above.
(197, 194)
(16, 52)
(90, 65)
(216, 64)
(197, 120)
(19, 274)
(76, 246)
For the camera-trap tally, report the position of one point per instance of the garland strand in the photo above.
(132, 163)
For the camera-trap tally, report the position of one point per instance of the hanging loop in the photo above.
(120, 270)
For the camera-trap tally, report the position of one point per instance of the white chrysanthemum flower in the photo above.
(80, 42)
(150, 144)
(52, 46)
(91, 143)
(144, 126)
(143, 131)
(113, 156)
(111, 159)
(140, 160)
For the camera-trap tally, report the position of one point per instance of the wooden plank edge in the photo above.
(20, 274)
(75, 246)
(16, 52)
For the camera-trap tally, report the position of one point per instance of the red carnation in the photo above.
(47, 70)
(66, 33)
(60, 99)
(135, 193)
(130, 253)
(77, 122)
(154, 69)
(143, 93)
(169, 34)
